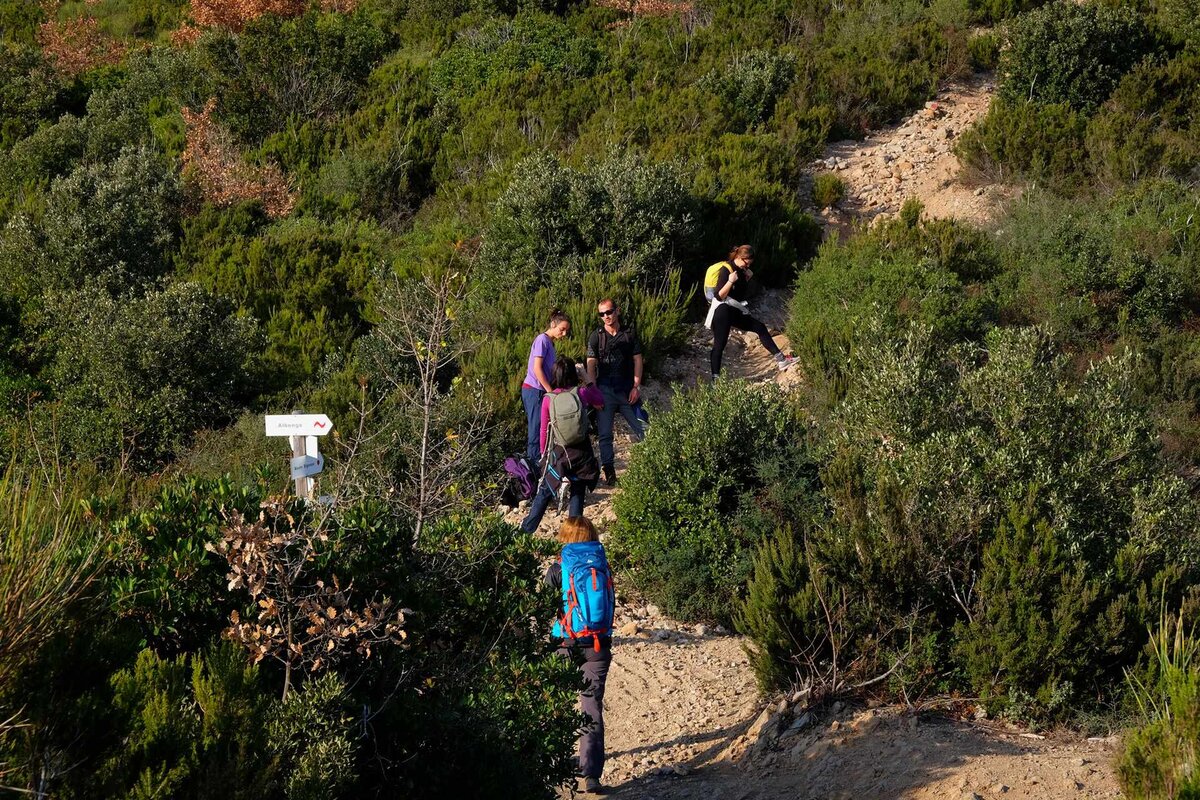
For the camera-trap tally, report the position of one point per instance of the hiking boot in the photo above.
(785, 362)
(610, 475)
(591, 786)
(564, 492)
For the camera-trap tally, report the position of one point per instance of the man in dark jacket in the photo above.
(614, 363)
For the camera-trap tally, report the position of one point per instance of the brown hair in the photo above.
(563, 374)
(608, 300)
(741, 251)
(577, 529)
(557, 316)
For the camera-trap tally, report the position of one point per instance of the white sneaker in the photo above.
(786, 363)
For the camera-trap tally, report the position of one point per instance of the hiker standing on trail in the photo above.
(537, 379)
(614, 363)
(568, 462)
(726, 286)
(584, 629)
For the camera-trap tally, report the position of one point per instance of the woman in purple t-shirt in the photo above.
(537, 382)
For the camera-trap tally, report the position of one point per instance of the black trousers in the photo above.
(595, 672)
(727, 317)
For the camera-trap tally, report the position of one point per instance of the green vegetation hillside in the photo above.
(216, 209)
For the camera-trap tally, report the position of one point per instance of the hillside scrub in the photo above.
(946, 474)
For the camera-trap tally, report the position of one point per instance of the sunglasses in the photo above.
(608, 313)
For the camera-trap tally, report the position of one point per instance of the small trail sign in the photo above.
(302, 431)
(298, 425)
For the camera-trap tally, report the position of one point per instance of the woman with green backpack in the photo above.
(584, 631)
(568, 461)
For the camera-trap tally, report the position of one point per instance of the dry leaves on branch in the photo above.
(77, 44)
(301, 621)
(235, 14)
(212, 161)
(647, 8)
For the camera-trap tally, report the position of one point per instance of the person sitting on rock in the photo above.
(726, 286)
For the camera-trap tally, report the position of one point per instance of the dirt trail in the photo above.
(915, 158)
(683, 716)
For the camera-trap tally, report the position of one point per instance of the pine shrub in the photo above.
(828, 190)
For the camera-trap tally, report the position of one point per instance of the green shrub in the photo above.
(1070, 53)
(750, 84)
(307, 281)
(785, 605)
(984, 52)
(878, 62)
(277, 73)
(553, 224)
(1095, 269)
(903, 271)
(134, 378)
(29, 91)
(1149, 127)
(163, 579)
(985, 11)
(191, 726)
(312, 733)
(1019, 139)
(113, 223)
(501, 48)
(679, 531)
(828, 190)
(1034, 629)
(1158, 757)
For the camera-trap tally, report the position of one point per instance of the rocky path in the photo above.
(684, 718)
(915, 158)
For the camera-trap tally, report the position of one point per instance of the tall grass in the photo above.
(48, 559)
(1160, 758)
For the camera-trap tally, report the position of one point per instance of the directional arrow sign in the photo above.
(298, 425)
(307, 466)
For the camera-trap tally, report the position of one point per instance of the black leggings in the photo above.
(726, 317)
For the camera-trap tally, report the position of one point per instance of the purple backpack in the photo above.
(521, 477)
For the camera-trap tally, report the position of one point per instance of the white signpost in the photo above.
(302, 430)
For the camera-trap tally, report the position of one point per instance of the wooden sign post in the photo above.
(302, 431)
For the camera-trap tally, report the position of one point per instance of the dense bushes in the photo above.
(905, 270)
(1070, 53)
(682, 528)
(991, 521)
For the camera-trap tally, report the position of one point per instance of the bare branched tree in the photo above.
(435, 430)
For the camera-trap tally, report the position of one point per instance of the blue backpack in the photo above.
(587, 593)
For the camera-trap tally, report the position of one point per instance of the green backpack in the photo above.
(568, 419)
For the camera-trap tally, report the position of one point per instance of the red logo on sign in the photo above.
(319, 424)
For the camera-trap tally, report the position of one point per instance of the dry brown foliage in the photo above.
(78, 44)
(647, 8)
(235, 14)
(302, 621)
(212, 162)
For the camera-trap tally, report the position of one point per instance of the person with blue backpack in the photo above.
(583, 630)
(569, 469)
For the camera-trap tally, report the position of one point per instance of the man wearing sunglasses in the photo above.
(614, 363)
